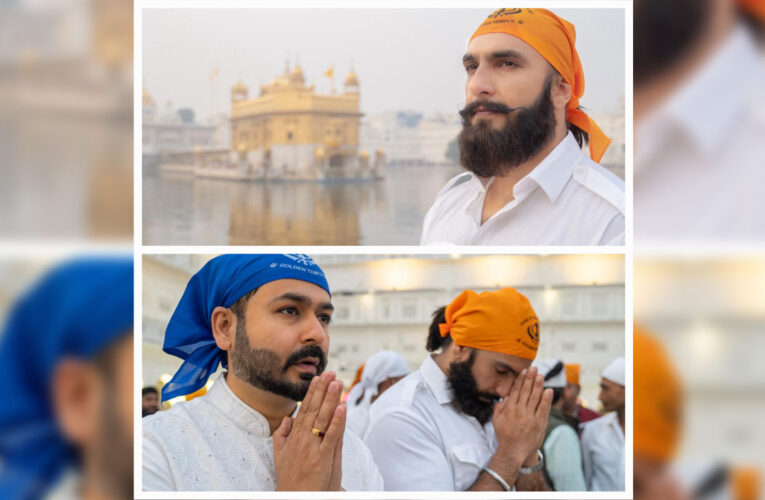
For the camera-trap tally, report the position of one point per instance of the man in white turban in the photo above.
(380, 372)
(563, 455)
(603, 438)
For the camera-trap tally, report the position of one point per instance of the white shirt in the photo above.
(421, 442)
(567, 199)
(700, 157)
(217, 442)
(563, 459)
(603, 453)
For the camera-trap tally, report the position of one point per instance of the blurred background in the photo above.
(385, 302)
(66, 125)
(709, 315)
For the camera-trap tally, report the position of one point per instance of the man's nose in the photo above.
(480, 83)
(314, 331)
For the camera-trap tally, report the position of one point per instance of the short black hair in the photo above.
(238, 308)
(240, 305)
(435, 340)
(149, 390)
(557, 393)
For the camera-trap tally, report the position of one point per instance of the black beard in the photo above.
(264, 369)
(466, 393)
(487, 151)
(664, 32)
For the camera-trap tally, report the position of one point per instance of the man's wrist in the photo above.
(531, 460)
(507, 463)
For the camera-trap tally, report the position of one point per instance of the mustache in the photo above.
(309, 351)
(496, 107)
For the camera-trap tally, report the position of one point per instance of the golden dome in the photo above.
(239, 88)
(296, 75)
(351, 80)
(148, 100)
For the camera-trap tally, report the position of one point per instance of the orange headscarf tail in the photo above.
(555, 40)
(598, 140)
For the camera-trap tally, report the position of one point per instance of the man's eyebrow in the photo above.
(503, 54)
(507, 367)
(468, 58)
(302, 300)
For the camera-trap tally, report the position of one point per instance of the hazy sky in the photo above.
(404, 58)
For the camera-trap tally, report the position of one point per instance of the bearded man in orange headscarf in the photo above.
(523, 129)
(444, 427)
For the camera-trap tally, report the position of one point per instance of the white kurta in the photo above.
(567, 199)
(421, 442)
(217, 442)
(603, 453)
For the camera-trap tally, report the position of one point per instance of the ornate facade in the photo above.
(291, 131)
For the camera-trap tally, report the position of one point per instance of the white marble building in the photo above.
(410, 137)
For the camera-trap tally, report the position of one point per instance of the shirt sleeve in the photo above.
(409, 455)
(586, 458)
(564, 459)
(155, 469)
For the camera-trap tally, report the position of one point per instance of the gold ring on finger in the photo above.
(317, 432)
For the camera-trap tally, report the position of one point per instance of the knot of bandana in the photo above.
(221, 282)
(500, 321)
(555, 40)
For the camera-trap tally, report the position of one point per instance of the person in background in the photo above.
(657, 421)
(571, 404)
(66, 362)
(563, 454)
(380, 372)
(149, 401)
(603, 438)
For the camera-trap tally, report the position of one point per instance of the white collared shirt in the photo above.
(603, 453)
(217, 442)
(567, 199)
(700, 157)
(421, 442)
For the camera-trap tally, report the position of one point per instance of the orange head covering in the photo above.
(755, 7)
(572, 373)
(746, 482)
(657, 399)
(555, 40)
(499, 321)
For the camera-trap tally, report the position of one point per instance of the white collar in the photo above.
(551, 174)
(243, 415)
(436, 380)
(713, 98)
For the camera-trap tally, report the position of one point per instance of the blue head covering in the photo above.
(76, 311)
(221, 282)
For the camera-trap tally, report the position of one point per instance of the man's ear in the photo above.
(78, 394)
(461, 353)
(561, 92)
(223, 323)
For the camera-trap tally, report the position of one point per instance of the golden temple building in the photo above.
(291, 131)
